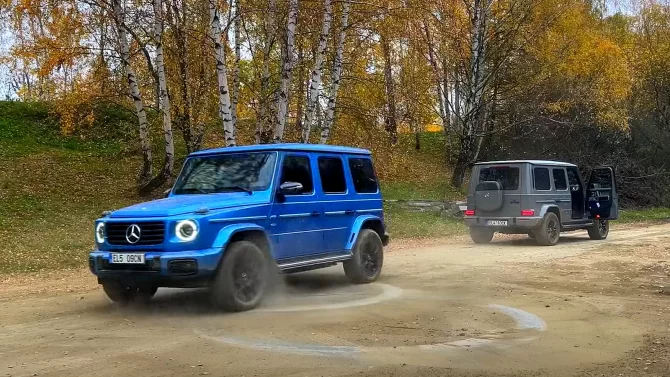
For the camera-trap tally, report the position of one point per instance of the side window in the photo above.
(331, 171)
(560, 181)
(541, 179)
(296, 169)
(573, 177)
(363, 175)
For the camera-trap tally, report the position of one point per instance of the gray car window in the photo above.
(560, 181)
(507, 176)
(541, 179)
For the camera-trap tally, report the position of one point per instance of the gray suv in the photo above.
(539, 198)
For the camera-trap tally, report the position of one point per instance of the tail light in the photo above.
(469, 212)
(527, 212)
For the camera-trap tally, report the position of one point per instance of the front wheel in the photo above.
(126, 294)
(481, 235)
(365, 266)
(599, 230)
(240, 282)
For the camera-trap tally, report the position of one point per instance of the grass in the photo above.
(648, 215)
(405, 224)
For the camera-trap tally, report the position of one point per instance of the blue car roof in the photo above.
(297, 147)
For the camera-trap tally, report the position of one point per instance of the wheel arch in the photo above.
(366, 222)
(550, 208)
(239, 232)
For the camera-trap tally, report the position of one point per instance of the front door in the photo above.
(602, 201)
(296, 220)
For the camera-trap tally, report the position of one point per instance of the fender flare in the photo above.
(226, 233)
(547, 207)
(358, 225)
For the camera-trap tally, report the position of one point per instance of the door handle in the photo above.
(315, 213)
(349, 212)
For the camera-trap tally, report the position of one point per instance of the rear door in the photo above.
(602, 200)
(497, 191)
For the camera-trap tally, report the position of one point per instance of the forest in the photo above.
(582, 81)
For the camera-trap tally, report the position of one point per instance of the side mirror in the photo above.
(167, 192)
(290, 188)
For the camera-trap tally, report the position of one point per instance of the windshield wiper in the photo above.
(234, 188)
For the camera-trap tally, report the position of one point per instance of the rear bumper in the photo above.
(524, 223)
(163, 269)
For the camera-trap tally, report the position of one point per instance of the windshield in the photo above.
(244, 172)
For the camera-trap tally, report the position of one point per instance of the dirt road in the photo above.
(443, 308)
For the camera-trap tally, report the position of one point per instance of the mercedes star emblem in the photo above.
(133, 234)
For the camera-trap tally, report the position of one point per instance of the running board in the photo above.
(578, 226)
(312, 262)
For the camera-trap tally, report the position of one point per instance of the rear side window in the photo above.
(296, 169)
(363, 175)
(507, 176)
(560, 181)
(541, 179)
(331, 171)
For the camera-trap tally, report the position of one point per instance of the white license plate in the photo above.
(497, 223)
(128, 258)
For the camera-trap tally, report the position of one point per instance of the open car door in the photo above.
(602, 201)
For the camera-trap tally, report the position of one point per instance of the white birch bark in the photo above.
(131, 76)
(221, 74)
(315, 80)
(168, 166)
(287, 72)
(236, 66)
(336, 75)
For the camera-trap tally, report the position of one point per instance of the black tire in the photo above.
(599, 230)
(368, 258)
(241, 279)
(481, 235)
(549, 231)
(126, 294)
(531, 235)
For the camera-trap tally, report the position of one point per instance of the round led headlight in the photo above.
(100, 232)
(186, 230)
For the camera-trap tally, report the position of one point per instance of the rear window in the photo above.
(363, 175)
(541, 179)
(507, 176)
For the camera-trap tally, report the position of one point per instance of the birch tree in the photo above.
(221, 74)
(336, 75)
(135, 94)
(287, 72)
(237, 25)
(168, 165)
(317, 72)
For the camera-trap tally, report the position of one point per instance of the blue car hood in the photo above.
(185, 204)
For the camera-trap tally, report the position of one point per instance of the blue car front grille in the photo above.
(151, 233)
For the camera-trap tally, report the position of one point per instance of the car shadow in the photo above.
(529, 242)
(178, 302)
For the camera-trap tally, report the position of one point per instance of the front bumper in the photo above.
(524, 223)
(162, 269)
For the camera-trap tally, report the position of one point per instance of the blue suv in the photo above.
(235, 215)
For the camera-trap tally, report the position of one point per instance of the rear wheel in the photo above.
(599, 230)
(531, 235)
(549, 230)
(365, 266)
(127, 294)
(241, 279)
(481, 235)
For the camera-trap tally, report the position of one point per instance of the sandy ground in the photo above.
(441, 308)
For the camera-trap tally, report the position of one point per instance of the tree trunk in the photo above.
(119, 15)
(336, 76)
(391, 122)
(263, 121)
(315, 81)
(287, 72)
(168, 165)
(222, 76)
(299, 112)
(236, 66)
